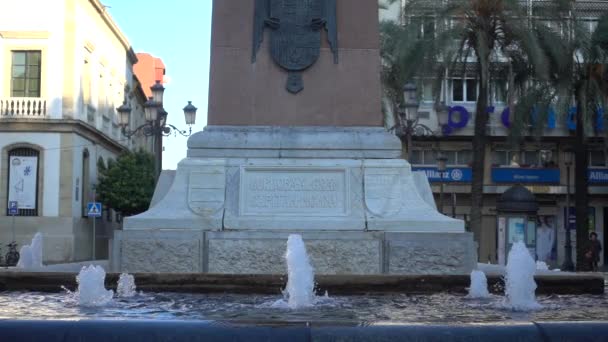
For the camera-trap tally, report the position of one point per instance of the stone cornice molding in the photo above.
(62, 126)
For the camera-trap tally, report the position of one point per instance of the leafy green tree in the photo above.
(127, 184)
(493, 33)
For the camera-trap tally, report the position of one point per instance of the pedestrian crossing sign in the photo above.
(94, 209)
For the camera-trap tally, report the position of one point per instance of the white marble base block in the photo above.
(342, 188)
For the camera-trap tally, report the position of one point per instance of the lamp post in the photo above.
(156, 125)
(408, 125)
(441, 167)
(568, 264)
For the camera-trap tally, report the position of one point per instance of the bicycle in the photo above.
(12, 257)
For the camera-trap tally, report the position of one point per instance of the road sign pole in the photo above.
(94, 220)
(13, 227)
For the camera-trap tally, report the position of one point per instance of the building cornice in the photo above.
(62, 126)
(25, 34)
(115, 29)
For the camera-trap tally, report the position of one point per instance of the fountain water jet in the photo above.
(301, 278)
(479, 285)
(31, 255)
(91, 289)
(520, 286)
(126, 286)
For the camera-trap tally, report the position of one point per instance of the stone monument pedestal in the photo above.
(243, 190)
(277, 160)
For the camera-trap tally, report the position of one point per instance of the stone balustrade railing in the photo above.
(23, 108)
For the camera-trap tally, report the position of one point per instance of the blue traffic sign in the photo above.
(94, 209)
(13, 208)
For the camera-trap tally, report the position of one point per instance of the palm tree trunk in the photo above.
(479, 139)
(581, 199)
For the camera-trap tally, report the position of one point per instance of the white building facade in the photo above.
(64, 68)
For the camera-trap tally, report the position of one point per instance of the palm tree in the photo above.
(579, 56)
(488, 33)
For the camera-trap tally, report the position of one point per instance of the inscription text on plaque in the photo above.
(293, 191)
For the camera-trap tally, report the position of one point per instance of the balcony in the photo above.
(23, 108)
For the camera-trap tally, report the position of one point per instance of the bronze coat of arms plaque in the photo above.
(295, 39)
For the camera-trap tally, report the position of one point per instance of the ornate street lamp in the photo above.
(568, 264)
(408, 125)
(156, 121)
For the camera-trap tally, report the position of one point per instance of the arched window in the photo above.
(23, 170)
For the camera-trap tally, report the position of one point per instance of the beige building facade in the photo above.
(64, 68)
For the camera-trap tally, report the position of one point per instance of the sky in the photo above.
(178, 32)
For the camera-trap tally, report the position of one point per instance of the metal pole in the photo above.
(13, 227)
(158, 146)
(568, 264)
(453, 205)
(409, 145)
(441, 192)
(94, 219)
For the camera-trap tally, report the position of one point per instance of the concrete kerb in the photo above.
(154, 330)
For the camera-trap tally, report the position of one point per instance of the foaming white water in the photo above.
(30, 256)
(479, 285)
(520, 286)
(91, 290)
(126, 286)
(301, 277)
(542, 266)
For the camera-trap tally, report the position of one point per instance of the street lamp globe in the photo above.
(124, 113)
(157, 92)
(410, 101)
(190, 113)
(443, 112)
(150, 109)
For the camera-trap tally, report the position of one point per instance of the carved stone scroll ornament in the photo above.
(295, 39)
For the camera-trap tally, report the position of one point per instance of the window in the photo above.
(429, 157)
(499, 89)
(427, 91)
(25, 74)
(425, 27)
(464, 90)
(505, 158)
(597, 158)
(423, 157)
(23, 180)
(531, 158)
(465, 157)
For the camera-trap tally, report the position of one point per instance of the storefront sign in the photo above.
(22, 181)
(523, 175)
(598, 176)
(451, 175)
(459, 117)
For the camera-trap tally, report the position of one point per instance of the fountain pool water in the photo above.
(479, 285)
(91, 291)
(300, 274)
(93, 301)
(31, 255)
(520, 286)
(126, 286)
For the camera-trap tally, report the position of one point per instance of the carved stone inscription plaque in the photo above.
(294, 192)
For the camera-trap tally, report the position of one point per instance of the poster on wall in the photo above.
(22, 181)
(546, 241)
(516, 230)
